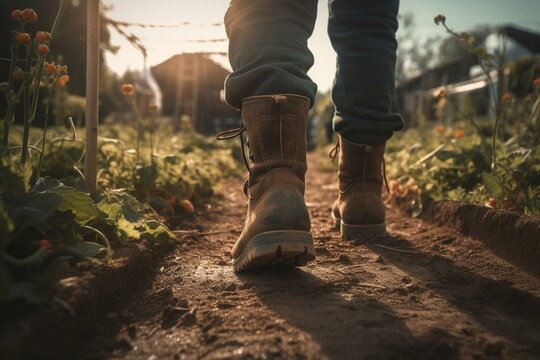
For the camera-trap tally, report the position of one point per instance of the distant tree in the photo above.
(413, 55)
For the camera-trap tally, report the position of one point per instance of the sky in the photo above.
(163, 43)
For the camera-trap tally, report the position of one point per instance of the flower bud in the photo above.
(30, 16)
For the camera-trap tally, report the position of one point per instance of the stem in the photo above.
(43, 135)
(59, 15)
(139, 127)
(11, 105)
(26, 110)
(152, 118)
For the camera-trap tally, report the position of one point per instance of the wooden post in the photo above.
(92, 86)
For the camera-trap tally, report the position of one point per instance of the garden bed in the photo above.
(512, 236)
(83, 300)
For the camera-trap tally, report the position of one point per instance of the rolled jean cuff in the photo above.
(375, 131)
(267, 80)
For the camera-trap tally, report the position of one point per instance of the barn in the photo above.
(192, 84)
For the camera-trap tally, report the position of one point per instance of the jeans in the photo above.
(269, 55)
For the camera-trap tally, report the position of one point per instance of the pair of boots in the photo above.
(277, 226)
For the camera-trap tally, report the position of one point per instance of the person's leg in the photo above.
(363, 34)
(269, 56)
(268, 48)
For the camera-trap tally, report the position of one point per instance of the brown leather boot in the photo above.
(359, 209)
(277, 226)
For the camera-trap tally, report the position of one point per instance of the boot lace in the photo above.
(335, 152)
(231, 134)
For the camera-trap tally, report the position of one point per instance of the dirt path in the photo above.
(423, 293)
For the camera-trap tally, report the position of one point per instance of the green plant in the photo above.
(35, 74)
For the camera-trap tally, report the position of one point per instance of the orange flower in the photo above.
(17, 15)
(62, 80)
(43, 50)
(127, 89)
(441, 94)
(506, 97)
(492, 202)
(441, 129)
(30, 16)
(536, 82)
(458, 134)
(50, 69)
(42, 36)
(23, 38)
(18, 75)
(46, 244)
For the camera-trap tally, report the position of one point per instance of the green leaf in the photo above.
(159, 232)
(46, 202)
(84, 249)
(126, 230)
(80, 204)
(113, 211)
(46, 183)
(26, 217)
(492, 185)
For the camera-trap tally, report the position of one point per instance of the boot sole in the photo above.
(284, 248)
(360, 232)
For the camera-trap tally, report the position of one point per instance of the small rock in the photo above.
(189, 319)
(224, 306)
(381, 260)
(222, 262)
(171, 314)
(165, 292)
(246, 285)
(182, 303)
(123, 344)
(406, 279)
(231, 287)
(400, 291)
(132, 331)
(322, 250)
(344, 259)
(448, 241)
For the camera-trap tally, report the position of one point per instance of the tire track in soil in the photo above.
(424, 292)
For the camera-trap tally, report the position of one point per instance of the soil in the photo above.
(425, 292)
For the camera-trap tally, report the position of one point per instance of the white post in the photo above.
(92, 86)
